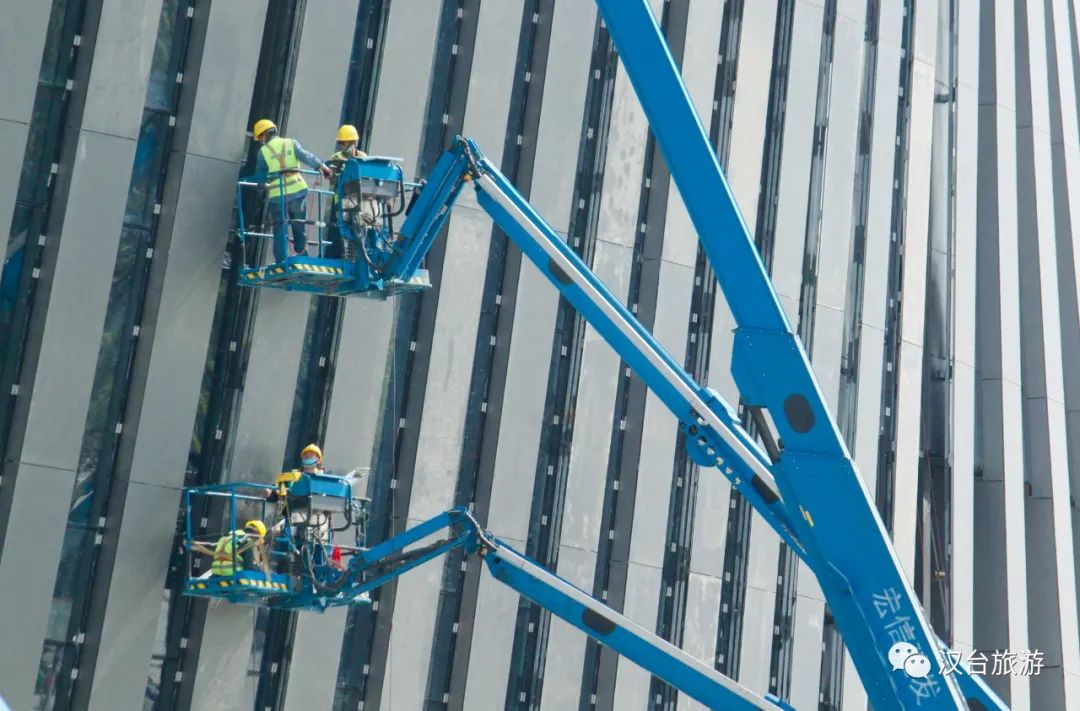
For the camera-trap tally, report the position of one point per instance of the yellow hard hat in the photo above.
(314, 448)
(347, 132)
(262, 126)
(256, 526)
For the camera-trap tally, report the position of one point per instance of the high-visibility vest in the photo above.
(280, 156)
(224, 553)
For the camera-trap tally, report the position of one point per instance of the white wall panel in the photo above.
(565, 84)
(452, 349)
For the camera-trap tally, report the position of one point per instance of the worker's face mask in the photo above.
(309, 461)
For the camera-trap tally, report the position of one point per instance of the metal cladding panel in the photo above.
(200, 220)
(566, 644)
(123, 51)
(452, 350)
(262, 426)
(882, 157)
(700, 625)
(537, 299)
(593, 416)
(624, 161)
(757, 639)
(751, 105)
(828, 350)
(529, 359)
(1052, 609)
(28, 573)
(230, 56)
(963, 394)
(493, 632)
(354, 414)
(847, 68)
(22, 40)
(81, 281)
(409, 653)
(321, 72)
(806, 653)
(223, 682)
(791, 208)
(311, 670)
(642, 594)
(136, 590)
(872, 349)
(200, 223)
(759, 609)
(659, 426)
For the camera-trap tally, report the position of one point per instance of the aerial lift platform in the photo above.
(801, 479)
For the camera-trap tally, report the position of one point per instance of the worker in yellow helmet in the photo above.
(348, 139)
(278, 162)
(310, 463)
(246, 547)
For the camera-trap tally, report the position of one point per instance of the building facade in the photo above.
(910, 170)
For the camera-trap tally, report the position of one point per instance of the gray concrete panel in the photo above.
(321, 72)
(566, 644)
(700, 626)
(366, 326)
(917, 202)
(262, 425)
(485, 687)
(793, 192)
(758, 608)
(642, 594)
(659, 426)
(593, 415)
(751, 105)
(226, 78)
(316, 644)
(963, 394)
(452, 350)
(223, 681)
(22, 40)
(201, 215)
(81, 282)
(28, 573)
(135, 593)
(531, 338)
(1050, 555)
(123, 51)
(809, 625)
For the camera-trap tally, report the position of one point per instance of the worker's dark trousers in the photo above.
(296, 213)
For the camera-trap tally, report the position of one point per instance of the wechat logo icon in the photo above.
(905, 656)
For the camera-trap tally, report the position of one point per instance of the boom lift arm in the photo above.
(378, 565)
(873, 597)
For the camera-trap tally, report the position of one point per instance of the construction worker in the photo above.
(246, 546)
(317, 524)
(286, 188)
(347, 139)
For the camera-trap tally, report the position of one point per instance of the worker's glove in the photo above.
(325, 170)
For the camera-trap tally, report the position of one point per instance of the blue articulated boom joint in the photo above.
(846, 544)
(714, 436)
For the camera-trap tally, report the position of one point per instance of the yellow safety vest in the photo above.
(280, 156)
(224, 554)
